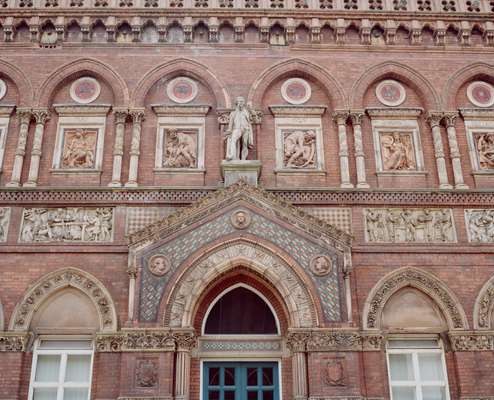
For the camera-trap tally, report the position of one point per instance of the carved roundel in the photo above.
(480, 94)
(182, 90)
(159, 265)
(296, 91)
(390, 93)
(321, 265)
(3, 89)
(241, 219)
(85, 90)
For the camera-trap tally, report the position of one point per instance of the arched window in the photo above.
(240, 311)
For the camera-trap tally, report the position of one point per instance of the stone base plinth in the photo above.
(249, 170)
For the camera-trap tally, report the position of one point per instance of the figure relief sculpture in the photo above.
(239, 134)
(480, 225)
(180, 148)
(79, 148)
(485, 148)
(299, 149)
(67, 225)
(396, 225)
(4, 223)
(397, 151)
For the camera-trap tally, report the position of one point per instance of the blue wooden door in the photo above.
(240, 381)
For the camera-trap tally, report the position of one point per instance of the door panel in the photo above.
(240, 381)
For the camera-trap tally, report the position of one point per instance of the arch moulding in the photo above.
(484, 307)
(185, 67)
(298, 66)
(401, 72)
(56, 281)
(460, 77)
(195, 278)
(89, 65)
(21, 81)
(421, 280)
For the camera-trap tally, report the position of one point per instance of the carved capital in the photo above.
(434, 118)
(340, 116)
(132, 272)
(120, 115)
(137, 115)
(41, 116)
(356, 117)
(136, 340)
(185, 341)
(24, 115)
(450, 119)
(13, 341)
(297, 341)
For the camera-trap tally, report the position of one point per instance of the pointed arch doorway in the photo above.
(242, 328)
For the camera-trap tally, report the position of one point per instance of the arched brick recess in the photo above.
(250, 278)
(185, 67)
(79, 67)
(24, 86)
(421, 280)
(56, 281)
(199, 272)
(399, 72)
(459, 78)
(331, 86)
(484, 307)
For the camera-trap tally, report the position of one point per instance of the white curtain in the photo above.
(47, 368)
(78, 367)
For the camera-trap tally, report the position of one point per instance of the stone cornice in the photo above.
(321, 340)
(472, 341)
(13, 341)
(297, 111)
(477, 113)
(82, 109)
(395, 113)
(184, 196)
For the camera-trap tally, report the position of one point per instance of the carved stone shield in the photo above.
(335, 372)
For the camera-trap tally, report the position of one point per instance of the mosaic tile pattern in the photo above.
(139, 217)
(339, 217)
(179, 249)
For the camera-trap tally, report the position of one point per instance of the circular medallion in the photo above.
(158, 265)
(182, 90)
(241, 219)
(3, 89)
(321, 265)
(296, 91)
(85, 90)
(480, 94)
(390, 93)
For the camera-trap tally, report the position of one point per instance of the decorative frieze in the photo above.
(472, 341)
(4, 223)
(13, 341)
(409, 225)
(480, 225)
(333, 340)
(239, 345)
(136, 340)
(44, 225)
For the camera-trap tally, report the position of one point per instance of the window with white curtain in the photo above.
(417, 370)
(61, 370)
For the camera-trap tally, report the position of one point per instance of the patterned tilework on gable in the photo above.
(179, 249)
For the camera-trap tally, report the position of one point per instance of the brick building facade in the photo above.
(352, 260)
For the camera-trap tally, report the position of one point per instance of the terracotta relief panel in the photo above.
(299, 148)
(180, 148)
(397, 151)
(79, 148)
(480, 225)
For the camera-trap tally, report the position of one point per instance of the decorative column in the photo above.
(132, 272)
(450, 120)
(356, 117)
(41, 116)
(137, 118)
(340, 117)
(24, 115)
(434, 120)
(120, 117)
(297, 343)
(185, 342)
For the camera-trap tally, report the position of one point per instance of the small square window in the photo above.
(61, 370)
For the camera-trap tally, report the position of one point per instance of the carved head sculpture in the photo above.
(159, 265)
(321, 265)
(240, 103)
(172, 133)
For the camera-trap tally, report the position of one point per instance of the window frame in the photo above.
(417, 382)
(60, 385)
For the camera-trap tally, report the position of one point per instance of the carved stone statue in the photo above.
(485, 148)
(180, 149)
(397, 152)
(299, 149)
(239, 134)
(79, 149)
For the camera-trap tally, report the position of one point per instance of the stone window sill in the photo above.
(84, 172)
(179, 170)
(401, 173)
(300, 171)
